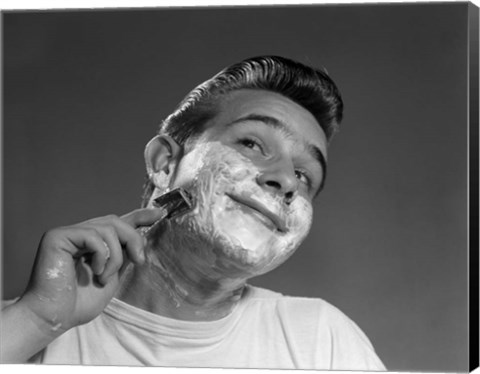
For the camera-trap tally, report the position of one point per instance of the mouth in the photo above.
(269, 218)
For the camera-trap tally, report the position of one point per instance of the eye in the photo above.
(250, 143)
(302, 177)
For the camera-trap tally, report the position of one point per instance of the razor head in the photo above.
(175, 203)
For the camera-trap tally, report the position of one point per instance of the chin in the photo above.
(253, 248)
(234, 245)
(252, 263)
(240, 244)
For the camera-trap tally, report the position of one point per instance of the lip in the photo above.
(260, 208)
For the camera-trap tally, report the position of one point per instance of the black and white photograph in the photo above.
(241, 187)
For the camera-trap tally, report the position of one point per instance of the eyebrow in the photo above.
(268, 120)
(313, 150)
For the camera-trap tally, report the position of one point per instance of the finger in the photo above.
(114, 256)
(123, 268)
(131, 241)
(99, 259)
(86, 240)
(144, 217)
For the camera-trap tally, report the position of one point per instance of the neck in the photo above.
(180, 281)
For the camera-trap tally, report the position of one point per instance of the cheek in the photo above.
(242, 238)
(223, 169)
(300, 216)
(192, 165)
(208, 172)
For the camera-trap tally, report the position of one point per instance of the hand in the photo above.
(78, 268)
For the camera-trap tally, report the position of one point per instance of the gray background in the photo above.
(84, 91)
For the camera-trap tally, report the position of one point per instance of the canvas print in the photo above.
(268, 187)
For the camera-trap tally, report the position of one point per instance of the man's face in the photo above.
(254, 173)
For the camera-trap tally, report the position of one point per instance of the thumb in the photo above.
(144, 216)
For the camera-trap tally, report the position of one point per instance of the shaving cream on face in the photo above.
(240, 237)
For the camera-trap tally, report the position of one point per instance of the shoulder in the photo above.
(309, 309)
(301, 310)
(318, 323)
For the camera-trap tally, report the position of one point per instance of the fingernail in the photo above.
(101, 280)
(101, 270)
(142, 256)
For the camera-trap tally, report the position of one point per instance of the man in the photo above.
(250, 145)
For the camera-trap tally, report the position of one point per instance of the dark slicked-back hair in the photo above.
(311, 88)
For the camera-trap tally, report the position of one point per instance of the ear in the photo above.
(162, 153)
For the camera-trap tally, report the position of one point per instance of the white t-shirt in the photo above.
(265, 330)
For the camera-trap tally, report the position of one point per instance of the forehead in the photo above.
(298, 121)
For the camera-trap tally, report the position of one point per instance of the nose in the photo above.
(280, 179)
